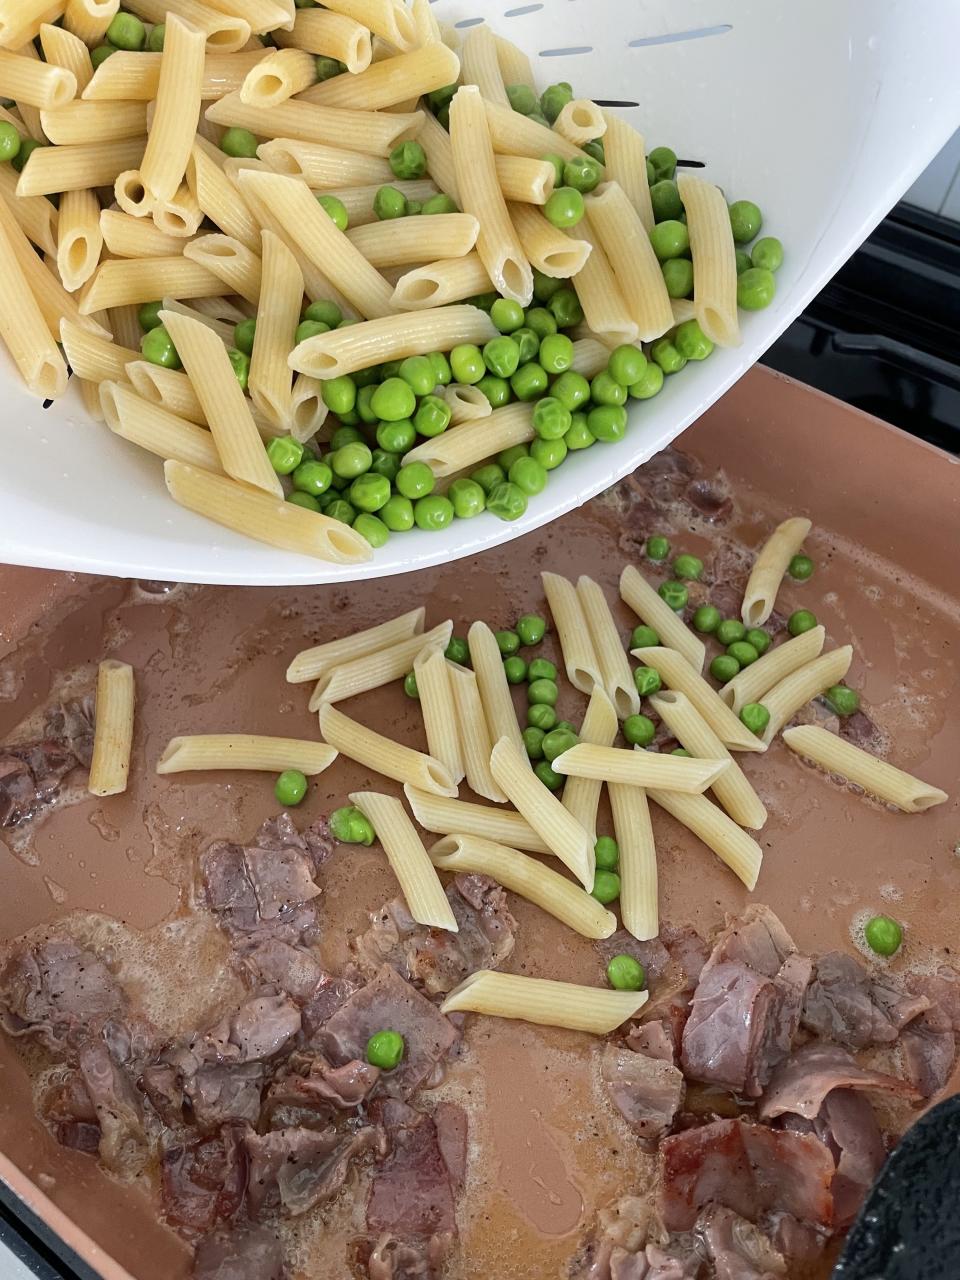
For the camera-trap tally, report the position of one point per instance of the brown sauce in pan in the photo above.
(547, 1148)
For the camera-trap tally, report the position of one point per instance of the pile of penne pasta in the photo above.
(150, 208)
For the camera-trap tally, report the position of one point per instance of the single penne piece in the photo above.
(129, 237)
(514, 64)
(93, 358)
(750, 684)
(475, 739)
(238, 267)
(385, 84)
(36, 216)
(626, 242)
(565, 837)
(416, 333)
(245, 751)
(374, 133)
(23, 327)
(176, 110)
(428, 28)
(261, 15)
(548, 248)
(688, 726)
(308, 412)
(179, 216)
(714, 257)
(544, 1002)
(626, 161)
(383, 755)
(219, 198)
(677, 673)
(277, 77)
(590, 357)
(90, 395)
(794, 691)
(125, 326)
(166, 387)
(480, 64)
(89, 19)
(515, 135)
(358, 201)
(498, 244)
(21, 20)
(439, 283)
(409, 860)
(259, 515)
(640, 768)
(225, 407)
(374, 670)
(729, 842)
(80, 122)
(390, 19)
(34, 83)
(652, 609)
(79, 239)
(439, 152)
(405, 241)
(278, 314)
(310, 664)
(539, 884)
(639, 908)
(498, 709)
(461, 447)
(331, 34)
(135, 77)
(324, 168)
(439, 710)
(121, 282)
(581, 121)
(89, 164)
(156, 429)
(223, 33)
(524, 180)
(605, 307)
(880, 779)
(770, 568)
(581, 796)
(579, 657)
(113, 729)
(467, 403)
(615, 674)
(460, 817)
(222, 328)
(61, 48)
(132, 196)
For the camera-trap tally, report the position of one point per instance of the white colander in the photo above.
(822, 111)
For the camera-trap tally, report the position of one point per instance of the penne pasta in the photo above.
(590, 357)
(714, 259)
(358, 201)
(794, 691)
(244, 751)
(498, 244)
(400, 242)
(626, 243)
(374, 670)
(382, 755)
(132, 196)
(515, 135)
(427, 27)
(334, 35)
(770, 568)
(579, 658)
(581, 121)
(542, 1001)
(129, 237)
(480, 65)
(439, 152)
(581, 796)
(79, 238)
(232, 262)
(312, 663)
(156, 429)
(75, 168)
(750, 684)
(324, 168)
(89, 19)
(125, 326)
(409, 860)
(604, 305)
(514, 64)
(548, 248)
(640, 768)
(278, 315)
(90, 395)
(498, 709)
(651, 608)
(34, 83)
(127, 76)
(374, 133)
(467, 403)
(180, 216)
(439, 710)
(385, 84)
(277, 77)
(113, 729)
(475, 740)
(464, 446)
(223, 33)
(565, 837)
(440, 283)
(639, 908)
(539, 884)
(626, 163)
(260, 15)
(460, 817)
(219, 198)
(176, 110)
(80, 122)
(166, 387)
(23, 327)
(35, 215)
(387, 18)
(879, 778)
(676, 673)
(307, 409)
(62, 48)
(729, 842)
(615, 674)
(524, 180)
(93, 358)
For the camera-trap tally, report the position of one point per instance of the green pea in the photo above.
(544, 692)
(239, 142)
(507, 501)
(755, 289)
(644, 637)
(550, 419)
(468, 498)
(607, 853)
(549, 454)
(458, 651)
(10, 147)
(883, 935)
(29, 145)
(674, 593)
(327, 68)
(544, 287)
(349, 826)
(743, 651)
(565, 308)
(541, 716)
(548, 776)
(397, 514)
(626, 366)
(312, 477)
(624, 973)
(801, 621)
(841, 700)
(156, 38)
(528, 474)
(596, 149)
(556, 353)
(351, 461)
(639, 730)
(508, 457)
(485, 301)
(497, 390)
(371, 528)
(528, 344)
(433, 416)
(440, 203)
(394, 400)
(606, 887)
(745, 221)
(680, 751)
(502, 356)
(339, 394)
(410, 685)
(370, 492)
(341, 510)
(244, 335)
(582, 173)
(800, 568)
(666, 201)
(755, 716)
(385, 1050)
(290, 787)
(530, 630)
(691, 341)
(285, 454)
(310, 329)
(157, 347)
(565, 208)
(759, 639)
(385, 464)
(647, 680)
(148, 315)
(507, 315)
(305, 500)
(346, 435)
(731, 630)
(541, 321)
(664, 162)
(743, 262)
(408, 160)
(440, 98)
(240, 363)
(508, 642)
(415, 480)
(657, 548)
(489, 477)
(554, 99)
(666, 355)
(396, 437)
(678, 277)
(515, 669)
(466, 362)
(442, 373)
(650, 383)
(557, 742)
(706, 619)
(724, 667)
(533, 742)
(579, 436)
(571, 389)
(689, 568)
(767, 253)
(605, 390)
(127, 32)
(540, 668)
(433, 513)
(417, 372)
(324, 312)
(522, 98)
(670, 239)
(607, 423)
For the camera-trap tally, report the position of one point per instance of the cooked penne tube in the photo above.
(277, 77)
(439, 152)
(750, 684)
(626, 162)
(89, 19)
(480, 64)
(539, 884)
(440, 283)
(75, 168)
(626, 243)
(515, 135)
(374, 133)
(245, 751)
(232, 262)
(94, 358)
(35, 83)
(310, 664)
(23, 327)
(677, 673)
(579, 657)
(49, 294)
(260, 15)
(166, 387)
(181, 215)
(358, 201)
(308, 412)
(61, 48)
(498, 709)
(581, 796)
(880, 779)
(639, 908)
(652, 609)
(385, 84)
(176, 110)
(113, 729)
(498, 244)
(438, 708)
(387, 18)
(324, 168)
(475, 740)
(794, 691)
(464, 446)
(415, 333)
(403, 241)
(524, 180)
(548, 248)
(605, 307)
(223, 32)
(514, 64)
(278, 315)
(120, 282)
(90, 395)
(467, 403)
(260, 515)
(770, 568)
(581, 121)
(714, 259)
(427, 27)
(125, 326)
(79, 239)
(219, 198)
(729, 842)
(374, 670)
(136, 76)
(409, 860)
(383, 755)
(129, 237)
(590, 357)
(615, 674)
(79, 122)
(156, 429)
(36, 216)
(547, 1003)
(460, 817)
(688, 726)
(225, 407)
(640, 768)
(565, 837)
(132, 196)
(683, 309)
(332, 34)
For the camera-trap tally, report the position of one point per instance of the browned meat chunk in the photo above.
(251, 1253)
(221, 1094)
(329, 995)
(655, 1039)
(930, 1041)
(847, 1126)
(857, 1009)
(291, 969)
(756, 939)
(737, 1248)
(393, 1259)
(203, 1182)
(58, 992)
(71, 723)
(314, 1085)
(297, 1169)
(116, 1103)
(413, 1194)
(801, 1083)
(648, 1092)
